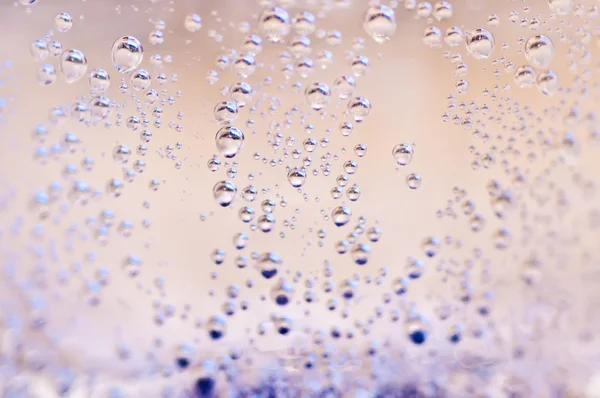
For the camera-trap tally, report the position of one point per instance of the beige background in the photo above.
(408, 85)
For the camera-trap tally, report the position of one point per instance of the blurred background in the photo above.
(507, 190)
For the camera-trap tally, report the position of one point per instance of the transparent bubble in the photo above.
(403, 154)
(253, 44)
(304, 23)
(361, 253)
(192, 23)
(282, 293)
(548, 82)
(127, 54)
(72, 65)
(245, 65)
(480, 43)
(241, 93)
(121, 154)
(525, 76)
(296, 177)
(224, 193)
(229, 141)
(359, 65)
(269, 264)
(266, 222)
(413, 180)
(132, 265)
(46, 74)
(275, 23)
(453, 36)
(493, 21)
(359, 108)
(99, 80)
(225, 112)
(379, 22)
(344, 86)
(432, 37)
(462, 86)
(317, 95)
(560, 7)
(417, 329)
(39, 50)
(442, 10)
(100, 107)
(400, 285)
(156, 37)
(140, 79)
(539, 51)
(341, 215)
(63, 22)
(216, 327)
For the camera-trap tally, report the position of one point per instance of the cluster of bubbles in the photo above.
(519, 148)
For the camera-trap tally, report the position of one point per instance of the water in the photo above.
(127, 54)
(73, 65)
(133, 267)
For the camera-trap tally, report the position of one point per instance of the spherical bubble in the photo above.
(296, 177)
(245, 65)
(156, 37)
(216, 328)
(127, 53)
(140, 79)
(548, 82)
(341, 215)
(431, 246)
(417, 329)
(269, 264)
(317, 95)
(241, 93)
(72, 65)
(132, 265)
(403, 154)
(462, 86)
(300, 46)
(560, 7)
(224, 193)
(454, 36)
(539, 50)
(493, 20)
(246, 214)
(360, 253)
(344, 87)
(304, 23)
(442, 10)
(225, 112)
(359, 108)
(282, 293)
(379, 22)
(46, 74)
(100, 107)
(253, 44)
(525, 76)
(432, 37)
(63, 22)
(480, 43)
(275, 23)
(266, 222)
(39, 50)
(359, 65)
(192, 23)
(400, 285)
(413, 180)
(121, 154)
(229, 140)
(99, 80)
